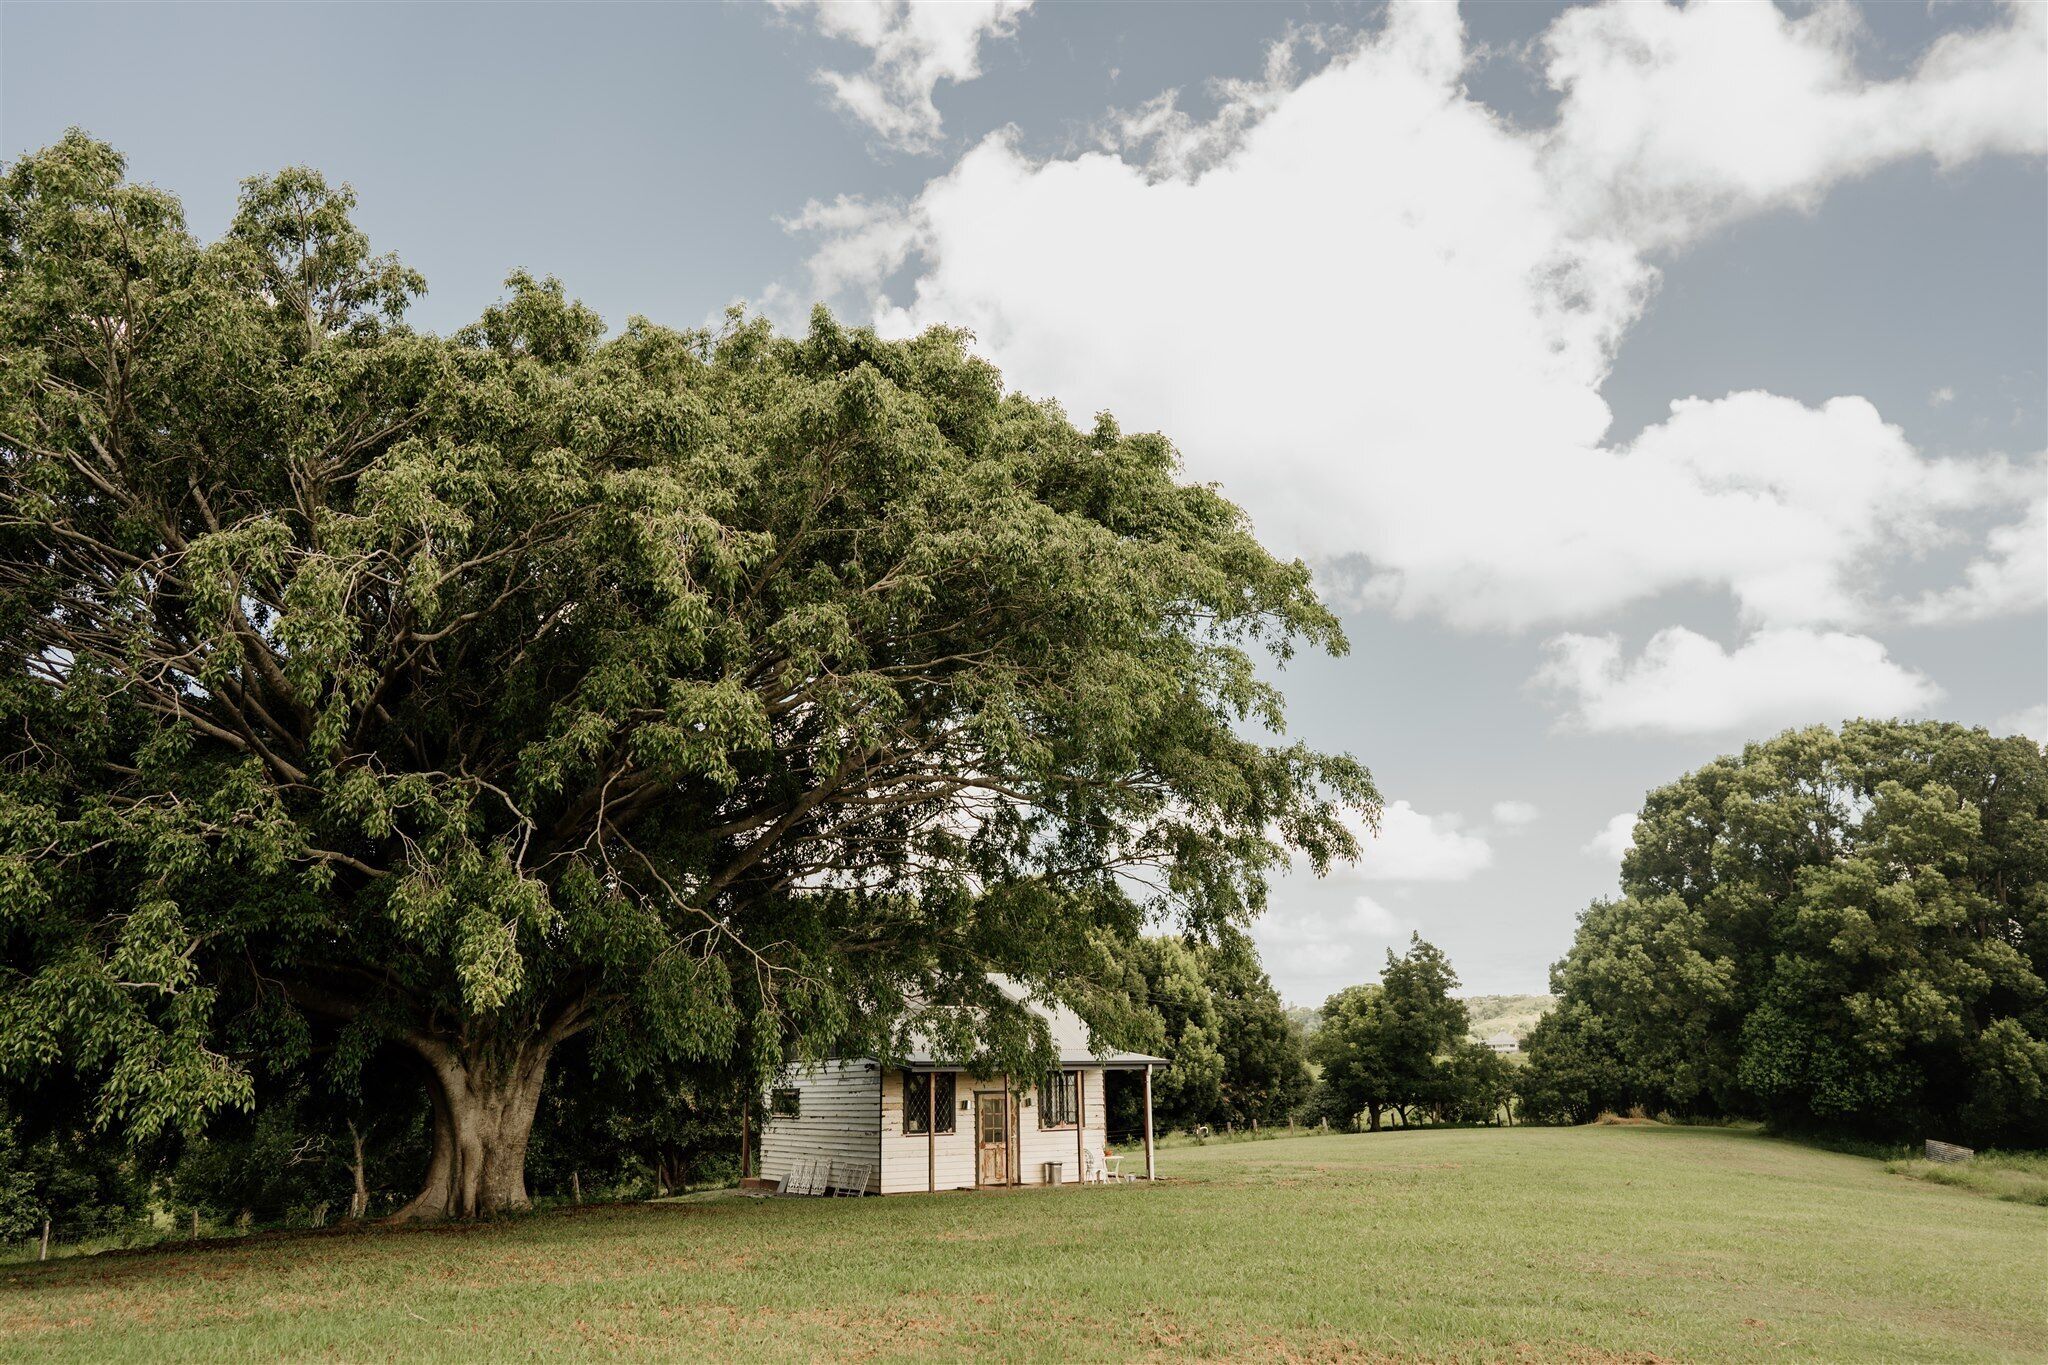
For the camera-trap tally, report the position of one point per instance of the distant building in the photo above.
(1504, 1042)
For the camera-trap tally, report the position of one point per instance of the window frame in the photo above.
(786, 1102)
(941, 1092)
(1069, 1105)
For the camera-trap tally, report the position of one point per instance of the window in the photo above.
(785, 1104)
(1059, 1100)
(920, 1103)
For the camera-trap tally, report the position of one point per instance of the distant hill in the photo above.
(1490, 1014)
(1515, 1014)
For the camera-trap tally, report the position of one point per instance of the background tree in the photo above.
(1237, 1058)
(664, 1128)
(1176, 992)
(722, 697)
(1350, 1047)
(1574, 1070)
(1265, 1056)
(1475, 1084)
(1389, 1045)
(56, 1166)
(1843, 930)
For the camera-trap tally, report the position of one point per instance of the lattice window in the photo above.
(786, 1103)
(921, 1105)
(917, 1100)
(1059, 1098)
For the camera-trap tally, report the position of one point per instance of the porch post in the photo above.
(1149, 1172)
(931, 1132)
(1080, 1123)
(1009, 1136)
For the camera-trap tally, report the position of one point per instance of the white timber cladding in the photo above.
(911, 1163)
(838, 1120)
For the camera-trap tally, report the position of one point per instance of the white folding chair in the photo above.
(854, 1183)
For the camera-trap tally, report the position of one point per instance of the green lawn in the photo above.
(1589, 1244)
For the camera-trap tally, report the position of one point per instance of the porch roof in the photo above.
(1129, 1061)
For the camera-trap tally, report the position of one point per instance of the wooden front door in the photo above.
(991, 1138)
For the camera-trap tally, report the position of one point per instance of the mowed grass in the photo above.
(1589, 1244)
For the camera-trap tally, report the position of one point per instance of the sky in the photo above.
(1639, 380)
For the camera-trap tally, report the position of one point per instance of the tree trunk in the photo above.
(484, 1102)
(359, 1202)
(1372, 1118)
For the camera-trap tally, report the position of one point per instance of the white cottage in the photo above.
(919, 1125)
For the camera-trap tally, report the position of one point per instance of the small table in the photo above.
(1112, 1167)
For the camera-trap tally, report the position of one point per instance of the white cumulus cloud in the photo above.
(1614, 839)
(1684, 683)
(2031, 721)
(2009, 578)
(1514, 813)
(1381, 316)
(913, 45)
(1675, 118)
(1325, 947)
(1412, 846)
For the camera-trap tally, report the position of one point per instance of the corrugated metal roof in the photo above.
(1071, 1038)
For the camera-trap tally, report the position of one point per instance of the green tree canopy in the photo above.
(1393, 1044)
(725, 694)
(1834, 929)
(1237, 1058)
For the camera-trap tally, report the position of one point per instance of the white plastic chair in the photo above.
(1097, 1169)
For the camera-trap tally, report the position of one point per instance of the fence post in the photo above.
(44, 1254)
(195, 1222)
(576, 1186)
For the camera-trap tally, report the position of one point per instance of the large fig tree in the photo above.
(730, 695)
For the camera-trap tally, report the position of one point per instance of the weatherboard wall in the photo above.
(838, 1120)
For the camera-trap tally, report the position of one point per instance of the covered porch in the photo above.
(944, 1128)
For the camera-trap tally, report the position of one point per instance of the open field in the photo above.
(1589, 1244)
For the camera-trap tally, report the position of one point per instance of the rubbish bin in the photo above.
(1055, 1172)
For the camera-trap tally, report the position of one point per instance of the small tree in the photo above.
(1385, 1046)
(1477, 1084)
(1351, 1047)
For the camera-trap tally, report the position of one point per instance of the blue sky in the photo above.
(1639, 379)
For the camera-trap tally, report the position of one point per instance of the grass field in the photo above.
(1588, 1244)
